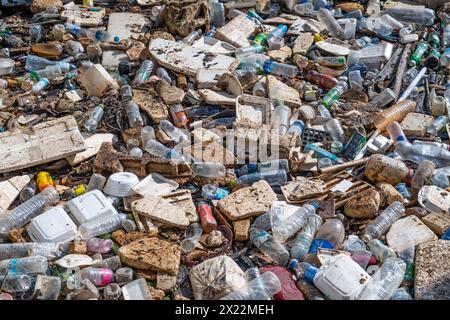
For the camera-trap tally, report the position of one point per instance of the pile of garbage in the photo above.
(215, 149)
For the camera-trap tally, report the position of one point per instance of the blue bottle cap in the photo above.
(116, 39)
(293, 264)
(315, 204)
(310, 273)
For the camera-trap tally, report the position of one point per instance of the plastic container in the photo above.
(262, 287)
(179, 116)
(53, 225)
(280, 69)
(113, 263)
(437, 125)
(246, 51)
(134, 115)
(277, 164)
(6, 66)
(333, 27)
(23, 213)
(99, 245)
(26, 265)
(303, 8)
(208, 169)
(376, 228)
(323, 80)
(98, 276)
(144, 72)
(120, 184)
(373, 7)
(265, 242)
(417, 15)
(335, 93)
(136, 290)
(19, 250)
(381, 168)
(124, 275)
(380, 250)
(334, 127)
(329, 236)
(157, 149)
(385, 281)
(191, 37)
(280, 118)
(163, 74)
(40, 85)
(191, 237)
(291, 225)
(94, 119)
(101, 225)
(206, 217)
(173, 132)
(90, 206)
(126, 93)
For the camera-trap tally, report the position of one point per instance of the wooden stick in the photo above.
(344, 165)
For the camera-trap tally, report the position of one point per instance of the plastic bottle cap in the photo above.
(315, 204)
(116, 39)
(293, 264)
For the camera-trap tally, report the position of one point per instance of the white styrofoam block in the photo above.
(53, 225)
(90, 206)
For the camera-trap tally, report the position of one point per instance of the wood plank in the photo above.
(52, 140)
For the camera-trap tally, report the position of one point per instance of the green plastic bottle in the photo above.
(418, 54)
(335, 93)
(260, 39)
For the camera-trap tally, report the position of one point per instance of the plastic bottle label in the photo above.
(319, 243)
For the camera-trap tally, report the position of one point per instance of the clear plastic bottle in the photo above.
(191, 37)
(262, 287)
(277, 164)
(49, 250)
(273, 177)
(157, 149)
(147, 134)
(126, 93)
(259, 89)
(144, 72)
(303, 8)
(437, 125)
(252, 61)
(329, 236)
(383, 99)
(395, 113)
(173, 132)
(97, 182)
(28, 192)
(401, 294)
(25, 265)
(212, 192)
(380, 250)
(383, 222)
(134, 115)
(355, 80)
(101, 225)
(293, 223)
(40, 85)
(417, 15)
(93, 34)
(246, 51)
(163, 74)
(280, 69)
(417, 152)
(217, 13)
(333, 27)
(383, 283)
(113, 263)
(209, 169)
(15, 283)
(34, 63)
(334, 127)
(98, 276)
(191, 237)
(265, 242)
(407, 253)
(305, 237)
(297, 127)
(373, 7)
(280, 118)
(51, 72)
(94, 118)
(136, 152)
(335, 93)
(23, 213)
(99, 245)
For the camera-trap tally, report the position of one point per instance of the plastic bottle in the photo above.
(377, 227)
(381, 168)
(28, 192)
(417, 15)
(355, 79)
(305, 237)
(51, 72)
(179, 115)
(191, 37)
(323, 80)
(96, 182)
(418, 54)
(383, 283)
(98, 276)
(40, 85)
(333, 27)
(437, 125)
(423, 172)
(280, 118)
(252, 61)
(134, 115)
(212, 192)
(417, 152)
(124, 275)
(113, 263)
(296, 128)
(93, 34)
(259, 89)
(206, 217)
(126, 93)
(280, 69)
(263, 287)
(380, 250)
(101, 225)
(406, 252)
(18, 250)
(383, 99)
(147, 134)
(329, 236)
(303, 8)
(277, 164)
(144, 72)
(265, 242)
(273, 177)
(25, 265)
(163, 74)
(191, 237)
(217, 13)
(99, 245)
(279, 31)
(246, 51)
(334, 127)
(15, 283)
(209, 169)
(293, 223)
(373, 7)
(260, 39)
(401, 294)
(173, 132)
(445, 58)
(94, 118)
(335, 93)
(395, 113)
(23, 213)
(157, 149)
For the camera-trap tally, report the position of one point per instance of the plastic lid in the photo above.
(293, 264)
(310, 273)
(315, 204)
